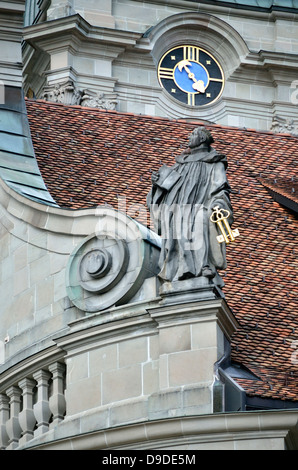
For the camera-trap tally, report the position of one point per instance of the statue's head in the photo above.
(200, 136)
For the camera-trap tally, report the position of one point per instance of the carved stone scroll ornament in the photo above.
(110, 266)
(98, 100)
(284, 125)
(67, 93)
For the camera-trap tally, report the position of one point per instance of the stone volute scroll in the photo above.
(182, 200)
(109, 267)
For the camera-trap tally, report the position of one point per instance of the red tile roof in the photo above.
(90, 157)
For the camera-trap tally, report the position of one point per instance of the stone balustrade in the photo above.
(32, 406)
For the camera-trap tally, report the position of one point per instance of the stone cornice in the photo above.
(13, 6)
(207, 429)
(196, 312)
(48, 33)
(107, 331)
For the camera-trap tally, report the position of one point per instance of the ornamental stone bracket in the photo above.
(67, 93)
(99, 100)
(284, 125)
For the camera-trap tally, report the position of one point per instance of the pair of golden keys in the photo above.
(219, 216)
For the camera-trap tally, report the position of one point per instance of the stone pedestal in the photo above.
(189, 290)
(144, 361)
(193, 337)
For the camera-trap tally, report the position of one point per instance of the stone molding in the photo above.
(234, 431)
(68, 28)
(201, 29)
(197, 312)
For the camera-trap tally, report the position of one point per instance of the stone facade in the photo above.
(148, 348)
(113, 48)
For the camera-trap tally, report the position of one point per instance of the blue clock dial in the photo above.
(191, 75)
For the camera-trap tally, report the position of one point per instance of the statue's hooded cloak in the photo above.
(181, 202)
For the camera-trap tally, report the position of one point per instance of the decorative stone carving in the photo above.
(181, 202)
(67, 93)
(99, 100)
(284, 125)
(110, 266)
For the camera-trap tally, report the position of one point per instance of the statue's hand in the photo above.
(218, 205)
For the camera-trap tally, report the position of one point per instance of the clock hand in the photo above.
(183, 64)
(199, 84)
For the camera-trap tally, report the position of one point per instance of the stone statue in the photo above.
(181, 202)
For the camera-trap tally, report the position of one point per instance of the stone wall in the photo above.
(36, 246)
(111, 51)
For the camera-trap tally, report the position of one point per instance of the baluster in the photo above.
(41, 409)
(4, 416)
(26, 418)
(13, 427)
(57, 400)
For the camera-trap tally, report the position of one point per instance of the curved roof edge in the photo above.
(18, 165)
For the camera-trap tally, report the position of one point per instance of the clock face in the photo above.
(191, 75)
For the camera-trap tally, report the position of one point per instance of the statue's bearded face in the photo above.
(195, 138)
(198, 136)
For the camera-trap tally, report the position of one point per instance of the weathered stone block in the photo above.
(128, 412)
(44, 293)
(77, 368)
(191, 367)
(150, 377)
(103, 359)
(121, 384)
(21, 280)
(174, 339)
(133, 351)
(83, 395)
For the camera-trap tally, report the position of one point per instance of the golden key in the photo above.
(218, 217)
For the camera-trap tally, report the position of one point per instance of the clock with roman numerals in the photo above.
(191, 75)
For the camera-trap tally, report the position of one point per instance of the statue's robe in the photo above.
(181, 202)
